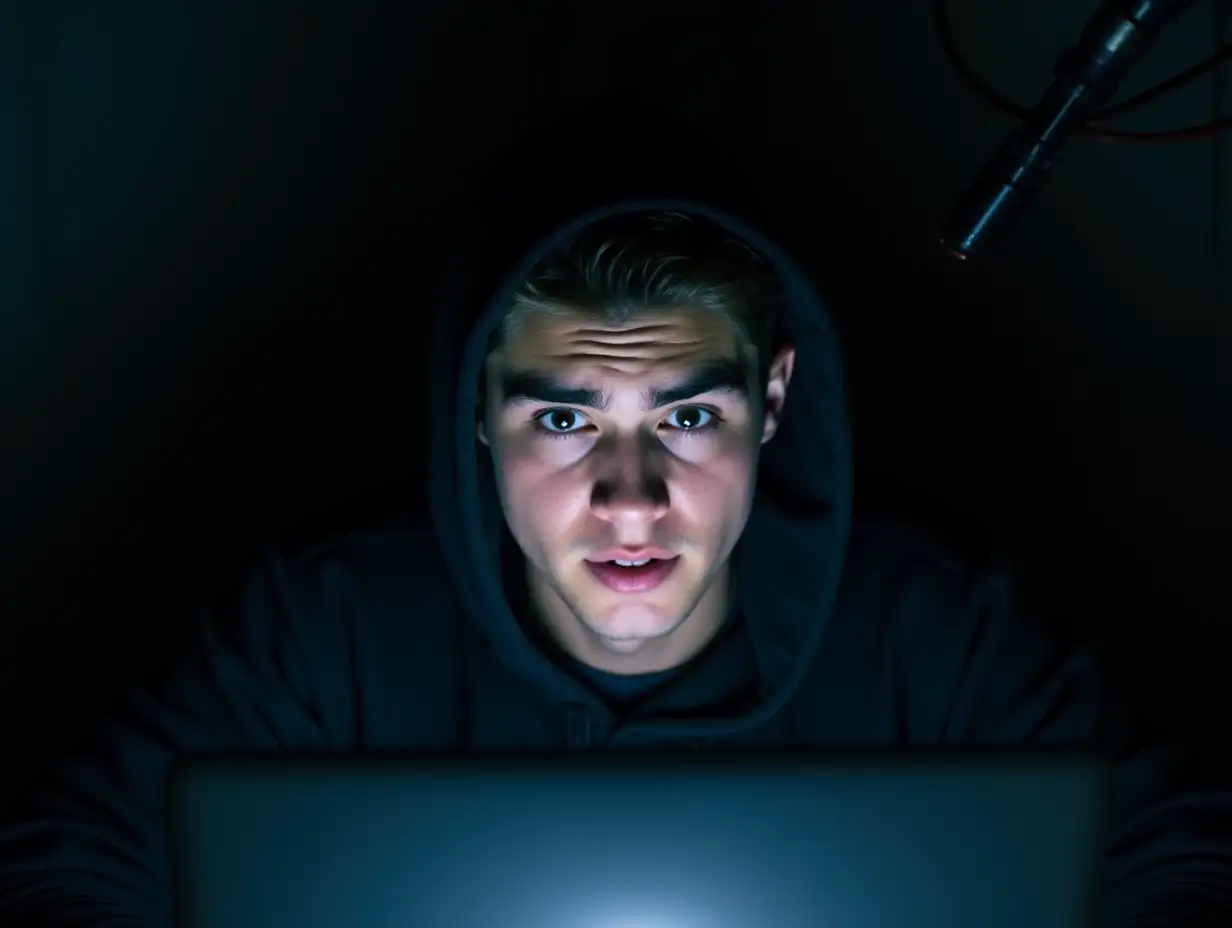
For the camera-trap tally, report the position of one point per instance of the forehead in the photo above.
(654, 343)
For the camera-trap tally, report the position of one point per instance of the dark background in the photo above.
(222, 222)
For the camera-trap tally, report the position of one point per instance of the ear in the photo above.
(776, 391)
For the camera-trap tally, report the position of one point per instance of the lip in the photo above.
(631, 554)
(633, 579)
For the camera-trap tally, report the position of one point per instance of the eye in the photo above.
(561, 421)
(691, 419)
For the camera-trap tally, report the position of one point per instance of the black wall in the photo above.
(222, 222)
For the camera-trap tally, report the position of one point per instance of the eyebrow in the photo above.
(719, 376)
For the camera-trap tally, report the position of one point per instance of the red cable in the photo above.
(1094, 127)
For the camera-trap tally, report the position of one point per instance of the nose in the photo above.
(632, 490)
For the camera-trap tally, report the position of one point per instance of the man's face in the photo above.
(625, 443)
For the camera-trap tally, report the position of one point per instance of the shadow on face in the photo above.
(614, 444)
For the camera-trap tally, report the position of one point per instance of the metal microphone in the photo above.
(1087, 76)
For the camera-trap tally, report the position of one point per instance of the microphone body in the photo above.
(1086, 77)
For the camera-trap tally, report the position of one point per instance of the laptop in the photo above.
(616, 841)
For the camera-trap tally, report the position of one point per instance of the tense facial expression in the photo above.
(625, 443)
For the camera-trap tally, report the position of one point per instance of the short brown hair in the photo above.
(619, 266)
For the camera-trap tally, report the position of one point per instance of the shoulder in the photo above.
(375, 554)
(350, 608)
(903, 535)
(917, 561)
(937, 579)
(390, 522)
(894, 519)
(972, 661)
(392, 515)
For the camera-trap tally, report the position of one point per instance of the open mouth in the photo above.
(629, 576)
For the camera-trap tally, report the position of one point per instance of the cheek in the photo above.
(538, 498)
(717, 491)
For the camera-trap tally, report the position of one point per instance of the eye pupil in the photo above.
(562, 420)
(689, 417)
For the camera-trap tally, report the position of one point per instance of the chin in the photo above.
(632, 622)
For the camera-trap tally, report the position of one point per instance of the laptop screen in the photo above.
(613, 844)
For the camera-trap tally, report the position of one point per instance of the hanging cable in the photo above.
(1087, 77)
(1094, 125)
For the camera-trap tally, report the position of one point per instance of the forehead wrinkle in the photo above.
(641, 345)
(602, 358)
(640, 333)
(651, 351)
(571, 346)
(620, 365)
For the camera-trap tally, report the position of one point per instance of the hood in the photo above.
(618, 154)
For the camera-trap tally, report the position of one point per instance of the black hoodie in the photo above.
(400, 632)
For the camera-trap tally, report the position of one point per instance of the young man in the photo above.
(641, 536)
